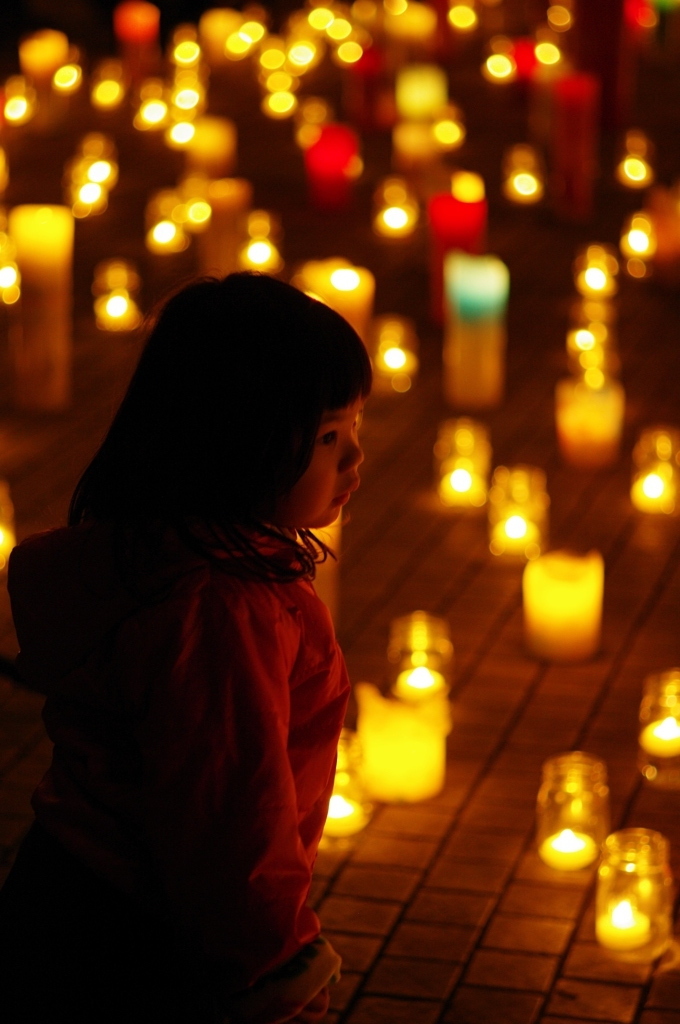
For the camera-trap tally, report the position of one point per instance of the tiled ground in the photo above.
(442, 911)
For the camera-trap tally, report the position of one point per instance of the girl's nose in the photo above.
(354, 456)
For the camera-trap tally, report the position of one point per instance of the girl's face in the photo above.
(327, 483)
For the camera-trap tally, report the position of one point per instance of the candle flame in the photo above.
(463, 17)
(461, 480)
(635, 170)
(117, 306)
(595, 278)
(345, 280)
(421, 679)
(187, 53)
(108, 93)
(395, 217)
(548, 53)
(339, 807)
(669, 729)
(8, 276)
(623, 915)
(182, 132)
(516, 527)
(164, 232)
(568, 842)
(350, 52)
(653, 487)
(500, 66)
(320, 18)
(395, 358)
(526, 184)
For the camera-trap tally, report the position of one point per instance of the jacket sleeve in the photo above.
(219, 807)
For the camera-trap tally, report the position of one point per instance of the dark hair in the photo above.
(220, 419)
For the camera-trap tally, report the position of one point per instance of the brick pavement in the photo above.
(442, 911)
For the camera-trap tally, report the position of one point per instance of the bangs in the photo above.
(343, 367)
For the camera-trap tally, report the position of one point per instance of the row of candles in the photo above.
(399, 754)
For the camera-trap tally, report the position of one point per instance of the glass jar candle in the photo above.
(348, 809)
(635, 895)
(518, 511)
(572, 814)
(659, 756)
(595, 270)
(462, 455)
(523, 175)
(656, 476)
(421, 655)
(394, 352)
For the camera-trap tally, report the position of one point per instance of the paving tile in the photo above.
(377, 883)
(594, 1001)
(367, 917)
(358, 952)
(659, 1017)
(484, 844)
(342, 991)
(432, 942)
(532, 869)
(492, 1006)
(527, 934)
(404, 976)
(406, 853)
(411, 822)
(499, 816)
(382, 1010)
(328, 860)
(317, 891)
(495, 969)
(471, 876)
(438, 906)
(665, 992)
(590, 960)
(541, 900)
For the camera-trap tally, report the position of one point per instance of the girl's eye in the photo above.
(329, 438)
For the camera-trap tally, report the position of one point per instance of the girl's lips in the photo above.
(342, 499)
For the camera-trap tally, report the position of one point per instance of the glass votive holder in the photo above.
(518, 512)
(638, 243)
(656, 475)
(592, 345)
(115, 282)
(634, 901)
(394, 351)
(523, 175)
(572, 811)
(595, 270)
(659, 752)
(420, 653)
(462, 455)
(348, 810)
(634, 169)
(589, 412)
(395, 209)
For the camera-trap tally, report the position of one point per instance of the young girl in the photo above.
(195, 691)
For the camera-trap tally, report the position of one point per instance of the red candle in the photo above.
(574, 144)
(454, 224)
(363, 91)
(331, 166)
(136, 22)
(603, 49)
(524, 53)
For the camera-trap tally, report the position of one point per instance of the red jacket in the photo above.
(194, 738)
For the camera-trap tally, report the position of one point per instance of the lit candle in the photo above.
(419, 683)
(404, 745)
(43, 236)
(421, 652)
(457, 221)
(394, 352)
(659, 737)
(662, 738)
(348, 810)
(410, 24)
(568, 850)
(347, 289)
(518, 511)
(20, 101)
(574, 144)
(107, 89)
(595, 270)
(7, 532)
(214, 28)
(421, 91)
(633, 169)
(41, 54)
(395, 209)
(115, 309)
(562, 595)
(589, 419)
(638, 243)
(476, 293)
(655, 481)
(220, 244)
(414, 146)
(500, 67)
(136, 27)
(623, 928)
(212, 148)
(522, 175)
(462, 457)
(331, 165)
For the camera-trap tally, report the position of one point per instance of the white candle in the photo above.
(404, 745)
(662, 737)
(563, 605)
(568, 850)
(623, 928)
(421, 91)
(43, 236)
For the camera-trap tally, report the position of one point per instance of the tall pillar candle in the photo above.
(421, 91)
(457, 221)
(331, 166)
(604, 49)
(574, 144)
(212, 147)
(563, 605)
(476, 291)
(136, 25)
(40, 55)
(220, 244)
(347, 289)
(589, 419)
(41, 346)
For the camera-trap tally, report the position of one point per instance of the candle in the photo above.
(421, 91)
(602, 41)
(449, 129)
(421, 652)
(500, 67)
(212, 148)
(345, 817)
(595, 270)
(574, 144)
(568, 850)
(136, 27)
(331, 164)
(41, 54)
(633, 169)
(214, 28)
(43, 236)
(462, 17)
(419, 683)
(572, 812)
(395, 209)
(404, 745)
(659, 739)
(107, 89)
(662, 738)
(462, 457)
(20, 101)
(67, 79)
(589, 418)
(562, 594)
(394, 351)
(518, 511)
(655, 481)
(623, 927)
(638, 243)
(165, 214)
(347, 289)
(348, 809)
(457, 221)
(476, 293)
(7, 532)
(220, 244)
(114, 308)
(327, 579)
(411, 25)
(414, 146)
(523, 181)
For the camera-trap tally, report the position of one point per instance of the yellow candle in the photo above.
(568, 850)
(462, 456)
(345, 816)
(220, 244)
(404, 745)
(518, 511)
(214, 28)
(43, 236)
(42, 53)
(117, 311)
(421, 91)
(419, 683)
(623, 928)
(662, 737)
(595, 271)
(523, 175)
(414, 145)
(410, 22)
(347, 289)
(563, 605)
(589, 418)
(212, 148)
